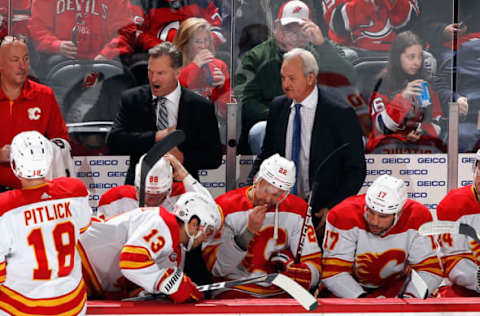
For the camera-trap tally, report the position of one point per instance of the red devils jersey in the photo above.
(103, 26)
(370, 25)
(354, 258)
(160, 22)
(396, 117)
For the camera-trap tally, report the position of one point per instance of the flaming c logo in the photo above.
(377, 269)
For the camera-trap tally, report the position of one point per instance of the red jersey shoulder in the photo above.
(234, 201)
(67, 187)
(348, 214)
(294, 204)
(178, 188)
(413, 215)
(7, 198)
(457, 203)
(117, 193)
(171, 222)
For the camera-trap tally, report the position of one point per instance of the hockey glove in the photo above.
(300, 273)
(279, 260)
(180, 287)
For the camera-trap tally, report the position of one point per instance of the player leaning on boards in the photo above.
(165, 182)
(372, 245)
(145, 249)
(40, 270)
(459, 252)
(261, 232)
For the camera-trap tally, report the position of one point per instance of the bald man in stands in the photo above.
(24, 105)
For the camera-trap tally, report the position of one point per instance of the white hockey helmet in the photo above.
(386, 195)
(193, 204)
(31, 155)
(278, 171)
(159, 179)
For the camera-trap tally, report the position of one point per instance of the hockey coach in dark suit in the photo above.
(148, 113)
(306, 125)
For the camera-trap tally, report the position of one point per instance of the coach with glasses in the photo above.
(25, 105)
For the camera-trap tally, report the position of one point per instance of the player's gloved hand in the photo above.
(179, 287)
(279, 260)
(300, 273)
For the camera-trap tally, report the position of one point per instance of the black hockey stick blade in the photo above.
(468, 230)
(159, 149)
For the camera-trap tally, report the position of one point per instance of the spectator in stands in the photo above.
(369, 24)
(306, 125)
(24, 104)
(460, 40)
(372, 245)
(92, 30)
(459, 252)
(258, 78)
(263, 224)
(148, 113)
(158, 21)
(145, 249)
(202, 72)
(166, 181)
(400, 122)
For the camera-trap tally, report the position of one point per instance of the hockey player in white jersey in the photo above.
(461, 254)
(372, 243)
(40, 269)
(165, 182)
(144, 249)
(261, 232)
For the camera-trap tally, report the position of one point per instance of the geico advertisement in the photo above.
(425, 175)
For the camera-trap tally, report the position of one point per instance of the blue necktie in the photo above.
(296, 141)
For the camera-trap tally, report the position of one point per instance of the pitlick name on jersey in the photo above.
(46, 213)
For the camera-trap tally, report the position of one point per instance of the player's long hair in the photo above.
(394, 79)
(185, 34)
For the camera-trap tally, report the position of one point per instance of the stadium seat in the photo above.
(368, 70)
(88, 93)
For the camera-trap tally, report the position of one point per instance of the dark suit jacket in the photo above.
(134, 129)
(335, 124)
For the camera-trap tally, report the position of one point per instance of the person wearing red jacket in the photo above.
(101, 29)
(158, 21)
(202, 72)
(400, 124)
(24, 104)
(368, 24)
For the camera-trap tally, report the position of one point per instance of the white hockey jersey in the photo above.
(460, 254)
(124, 198)
(134, 249)
(355, 260)
(40, 269)
(227, 261)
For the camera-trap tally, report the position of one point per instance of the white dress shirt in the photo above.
(307, 113)
(172, 104)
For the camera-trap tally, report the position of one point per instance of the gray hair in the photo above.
(167, 49)
(310, 65)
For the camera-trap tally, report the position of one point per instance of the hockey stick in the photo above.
(159, 149)
(448, 227)
(313, 193)
(295, 290)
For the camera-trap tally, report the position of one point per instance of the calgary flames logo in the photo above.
(475, 247)
(377, 269)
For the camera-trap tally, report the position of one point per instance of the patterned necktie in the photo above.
(296, 142)
(162, 114)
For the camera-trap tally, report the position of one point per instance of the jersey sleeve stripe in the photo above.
(3, 271)
(83, 229)
(68, 304)
(93, 285)
(135, 258)
(334, 266)
(209, 255)
(431, 264)
(449, 262)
